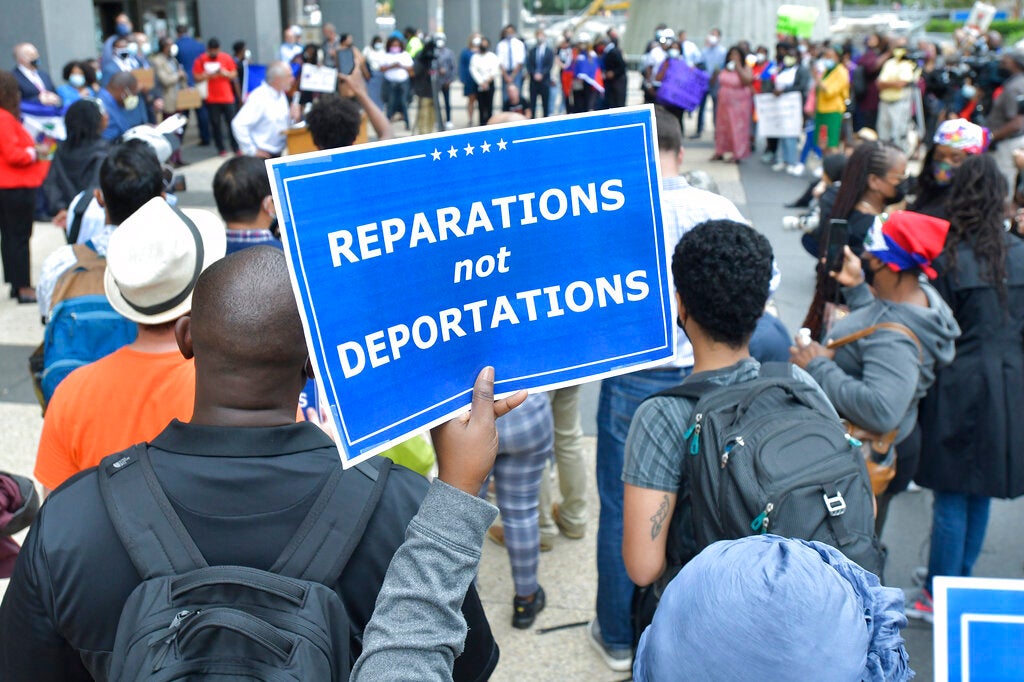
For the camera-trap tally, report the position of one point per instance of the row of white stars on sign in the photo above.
(453, 152)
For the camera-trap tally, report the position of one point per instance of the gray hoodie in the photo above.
(877, 381)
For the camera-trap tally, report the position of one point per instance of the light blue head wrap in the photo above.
(770, 608)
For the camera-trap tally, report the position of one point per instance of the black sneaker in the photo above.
(525, 611)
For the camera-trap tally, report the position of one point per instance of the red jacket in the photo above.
(18, 165)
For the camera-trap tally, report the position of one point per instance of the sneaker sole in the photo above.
(617, 665)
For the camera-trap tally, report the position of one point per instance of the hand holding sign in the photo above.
(467, 445)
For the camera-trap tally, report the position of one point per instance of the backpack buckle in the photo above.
(835, 505)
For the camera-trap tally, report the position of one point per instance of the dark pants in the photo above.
(445, 93)
(615, 92)
(908, 456)
(584, 99)
(222, 113)
(700, 113)
(485, 102)
(16, 209)
(540, 90)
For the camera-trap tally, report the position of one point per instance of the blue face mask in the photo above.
(123, 29)
(76, 80)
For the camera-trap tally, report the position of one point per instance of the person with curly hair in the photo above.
(721, 270)
(21, 173)
(972, 442)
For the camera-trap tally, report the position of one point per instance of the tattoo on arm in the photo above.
(658, 520)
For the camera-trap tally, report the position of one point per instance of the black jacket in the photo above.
(241, 493)
(73, 171)
(546, 63)
(972, 436)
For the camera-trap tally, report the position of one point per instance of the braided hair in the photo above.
(976, 201)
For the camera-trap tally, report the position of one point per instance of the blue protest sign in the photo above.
(979, 629)
(536, 247)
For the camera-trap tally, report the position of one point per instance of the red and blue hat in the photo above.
(905, 240)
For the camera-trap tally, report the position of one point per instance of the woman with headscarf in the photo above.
(734, 109)
(954, 141)
(770, 608)
(21, 173)
(877, 380)
(972, 440)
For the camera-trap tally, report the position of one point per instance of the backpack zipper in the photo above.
(760, 523)
(167, 636)
(738, 440)
(694, 431)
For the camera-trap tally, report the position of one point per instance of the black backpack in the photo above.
(766, 456)
(187, 619)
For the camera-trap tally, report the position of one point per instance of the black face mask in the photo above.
(34, 63)
(869, 274)
(274, 228)
(901, 191)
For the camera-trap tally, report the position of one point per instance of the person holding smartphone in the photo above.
(877, 381)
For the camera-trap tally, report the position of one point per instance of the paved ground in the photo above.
(568, 572)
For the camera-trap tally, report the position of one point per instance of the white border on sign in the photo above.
(941, 585)
(965, 636)
(650, 144)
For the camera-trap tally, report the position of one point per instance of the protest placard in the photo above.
(796, 20)
(980, 18)
(535, 247)
(979, 629)
(318, 78)
(781, 116)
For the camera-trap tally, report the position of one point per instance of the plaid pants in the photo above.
(525, 443)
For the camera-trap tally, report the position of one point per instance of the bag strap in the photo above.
(150, 530)
(75, 227)
(329, 534)
(868, 331)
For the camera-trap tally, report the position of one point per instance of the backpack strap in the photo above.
(75, 226)
(696, 390)
(327, 537)
(81, 279)
(150, 530)
(868, 331)
(776, 370)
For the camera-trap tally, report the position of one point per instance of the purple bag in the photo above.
(682, 86)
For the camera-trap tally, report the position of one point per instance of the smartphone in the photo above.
(346, 61)
(838, 234)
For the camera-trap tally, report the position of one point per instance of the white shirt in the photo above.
(288, 51)
(484, 66)
(262, 122)
(511, 53)
(691, 53)
(403, 59)
(653, 59)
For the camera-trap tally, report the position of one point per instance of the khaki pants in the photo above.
(572, 472)
(426, 122)
(894, 122)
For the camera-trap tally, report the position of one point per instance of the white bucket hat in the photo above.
(155, 257)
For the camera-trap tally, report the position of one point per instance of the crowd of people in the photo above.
(907, 368)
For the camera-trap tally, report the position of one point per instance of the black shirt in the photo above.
(241, 493)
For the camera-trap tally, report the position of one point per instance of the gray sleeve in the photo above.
(655, 445)
(809, 380)
(858, 296)
(417, 629)
(881, 397)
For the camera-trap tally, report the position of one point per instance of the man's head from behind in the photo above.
(721, 271)
(129, 177)
(246, 335)
(334, 122)
(670, 141)
(241, 189)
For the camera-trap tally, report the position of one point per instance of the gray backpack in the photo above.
(768, 456)
(189, 620)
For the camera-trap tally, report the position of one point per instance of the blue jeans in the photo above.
(959, 521)
(787, 147)
(620, 397)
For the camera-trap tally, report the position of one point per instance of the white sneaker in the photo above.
(619, 660)
(796, 169)
(779, 166)
(767, 157)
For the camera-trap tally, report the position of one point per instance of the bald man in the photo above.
(261, 124)
(34, 83)
(120, 100)
(242, 476)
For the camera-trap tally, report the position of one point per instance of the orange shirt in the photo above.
(124, 398)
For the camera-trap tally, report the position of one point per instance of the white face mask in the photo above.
(174, 50)
(130, 102)
(712, 40)
(673, 53)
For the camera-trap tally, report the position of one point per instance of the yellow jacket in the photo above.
(833, 91)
